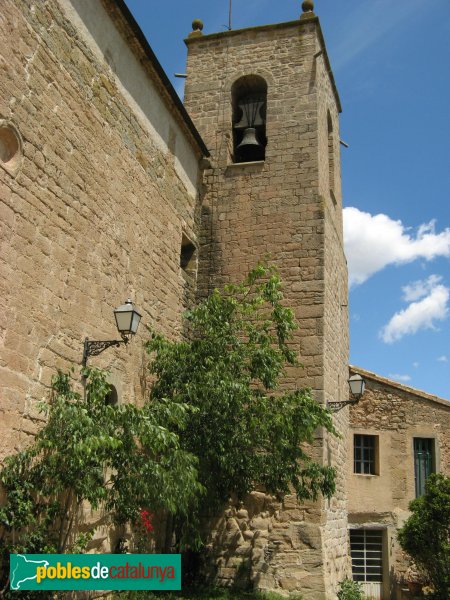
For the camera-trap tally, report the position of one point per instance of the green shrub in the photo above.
(425, 535)
(350, 590)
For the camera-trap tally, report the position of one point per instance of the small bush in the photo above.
(425, 535)
(350, 590)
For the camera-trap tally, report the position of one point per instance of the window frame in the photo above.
(331, 158)
(366, 452)
(365, 559)
(419, 479)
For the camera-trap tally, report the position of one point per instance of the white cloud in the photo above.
(416, 365)
(374, 241)
(442, 358)
(418, 315)
(419, 289)
(397, 377)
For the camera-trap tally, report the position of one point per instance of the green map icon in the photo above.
(23, 569)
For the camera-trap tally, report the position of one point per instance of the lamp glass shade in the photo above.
(127, 318)
(357, 385)
(135, 321)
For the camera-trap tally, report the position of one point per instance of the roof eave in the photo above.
(400, 386)
(161, 74)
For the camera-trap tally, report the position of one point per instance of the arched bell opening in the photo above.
(249, 99)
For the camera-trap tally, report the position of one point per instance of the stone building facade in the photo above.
(111, 188)
(409, 433)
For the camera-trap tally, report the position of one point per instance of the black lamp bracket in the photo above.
(96, 347)
(336, 406)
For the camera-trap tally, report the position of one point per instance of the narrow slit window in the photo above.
(188, 256)
(112, 397)
(331, 161)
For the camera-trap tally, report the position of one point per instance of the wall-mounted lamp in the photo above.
(357, 386)
(127, 321)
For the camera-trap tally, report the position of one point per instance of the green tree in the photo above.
(425, 536)
(215, 424)
(120, 459)
(244, 430)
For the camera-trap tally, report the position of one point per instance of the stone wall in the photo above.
(396, 414)
(92, 207)
(335, 320)
(280, 207)
(270, 544)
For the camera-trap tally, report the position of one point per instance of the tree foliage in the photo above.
(215, 424)
(426, 534)
(119, 459)
(245, 430)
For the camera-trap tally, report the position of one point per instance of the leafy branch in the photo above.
(244, 430)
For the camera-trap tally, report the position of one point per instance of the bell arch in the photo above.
(249, 108)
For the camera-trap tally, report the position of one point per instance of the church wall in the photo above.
(92, 211)
(110, 40)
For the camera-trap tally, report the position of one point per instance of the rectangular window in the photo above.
(423, 462)
(366, 549)
(365, 460)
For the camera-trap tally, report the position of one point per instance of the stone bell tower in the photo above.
(265, 102)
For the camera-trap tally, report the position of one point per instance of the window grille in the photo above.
(366, 548)
(423, 462)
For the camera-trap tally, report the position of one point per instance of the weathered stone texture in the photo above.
(105, 185)
(270, 544)
(95, 214)
(335, 319)
(282, 208)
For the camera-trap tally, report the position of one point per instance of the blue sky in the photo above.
(390, 59)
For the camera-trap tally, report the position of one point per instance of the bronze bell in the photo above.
(249, 138)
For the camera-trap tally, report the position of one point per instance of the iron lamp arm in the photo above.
(336, 406)
(96, 347)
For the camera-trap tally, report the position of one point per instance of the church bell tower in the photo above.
(265, 102)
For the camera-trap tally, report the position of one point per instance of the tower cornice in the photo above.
(298, 23)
